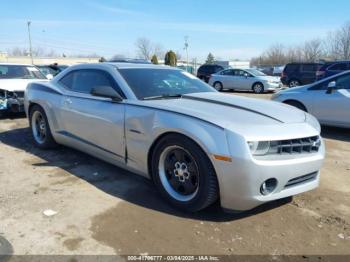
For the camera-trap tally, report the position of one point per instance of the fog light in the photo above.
(268, 186)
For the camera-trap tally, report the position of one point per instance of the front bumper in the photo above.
(273, 86)
(240, 180)
(12, 103)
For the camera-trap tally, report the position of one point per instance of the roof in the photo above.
(134, 65)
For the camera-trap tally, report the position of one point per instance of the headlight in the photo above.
(259, 148)
(313, 122)
(276, 95)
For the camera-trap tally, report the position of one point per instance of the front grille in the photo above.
(11, 94)
(301, 179)
(18, 94)
(296, 146)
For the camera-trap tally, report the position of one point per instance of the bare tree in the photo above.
(17, 51)
(294, 54)
(158, 50)
(338, 43)
(275, 54)
(313, 50)
(178, 55)
(144, 48)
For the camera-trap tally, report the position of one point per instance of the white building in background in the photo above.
(234, 64)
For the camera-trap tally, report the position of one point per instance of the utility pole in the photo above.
(186, 48)
(30, 43)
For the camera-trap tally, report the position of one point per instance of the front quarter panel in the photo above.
(143, 125)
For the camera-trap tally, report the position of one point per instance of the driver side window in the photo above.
(343, 82)
(83, 81)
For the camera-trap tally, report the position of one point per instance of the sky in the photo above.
(230, 29)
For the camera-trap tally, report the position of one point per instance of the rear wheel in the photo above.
(294, 83)
(183, 174)
(296, 104)
(258, 88)
(218, 86)
(40, 128)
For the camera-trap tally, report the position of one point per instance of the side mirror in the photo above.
(245, 75)
(331, 86)
(49, 76)
(106, 91)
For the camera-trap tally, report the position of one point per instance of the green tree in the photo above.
(210, 59)
(154, 60)
(170, 58)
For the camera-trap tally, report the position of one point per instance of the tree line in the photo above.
(336, 46)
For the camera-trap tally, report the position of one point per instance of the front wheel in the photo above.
(183, 174)
(40, 128)
(258, 88)
(218, 86)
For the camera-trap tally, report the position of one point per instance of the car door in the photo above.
(308, 73)
(93, 122)
(227, 78)
(240, 80)
(332, 108)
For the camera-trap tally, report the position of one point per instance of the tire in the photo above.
(41, 131)
(218, 86)
(183, 174)
(258, 88)
(296, 104)
(294, 83)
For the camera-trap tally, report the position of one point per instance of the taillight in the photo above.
(320, 73)
(283, 74)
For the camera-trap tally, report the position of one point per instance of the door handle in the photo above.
(67, 101)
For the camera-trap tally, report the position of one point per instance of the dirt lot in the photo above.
(105, 210)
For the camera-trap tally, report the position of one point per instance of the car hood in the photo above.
(230, 110)
(17, 84)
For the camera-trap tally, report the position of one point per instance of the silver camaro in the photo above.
(196, 144)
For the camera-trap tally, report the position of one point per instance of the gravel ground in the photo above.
(102, 209)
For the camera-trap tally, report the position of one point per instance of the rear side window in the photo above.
(228, 72)
(203, 69)
(338, 67)
(309, 67)
(83, 81)
(291, 68)
(218, 68)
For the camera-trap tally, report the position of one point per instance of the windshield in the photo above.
(149, 82)
(255, 72)
(20, 72)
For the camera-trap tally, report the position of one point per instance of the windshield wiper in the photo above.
(163, 96)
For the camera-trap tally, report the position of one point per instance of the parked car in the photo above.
(272, 70)
(196, 144)
(332, 68)
(51, 70)
(14, 79)
(328, 100)
(205, 71)
(296, 74)
(244, 79)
